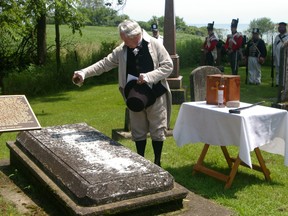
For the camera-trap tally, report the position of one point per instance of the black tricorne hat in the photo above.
(210, 26)
(138, 97)
(234, 23)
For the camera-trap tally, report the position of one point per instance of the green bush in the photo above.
(41, 80)
(189, 52)
(32, 81)
(268, 59)
(104, 50)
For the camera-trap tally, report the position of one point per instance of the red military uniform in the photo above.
(209, 46)
(233, 46)
(210, 42)
(234, 42)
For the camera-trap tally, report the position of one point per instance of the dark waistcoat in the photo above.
(143, 63)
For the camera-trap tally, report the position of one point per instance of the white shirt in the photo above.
(278, 43)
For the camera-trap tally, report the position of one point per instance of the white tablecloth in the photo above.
(258, 126)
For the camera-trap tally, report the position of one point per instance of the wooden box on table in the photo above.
(232, 88)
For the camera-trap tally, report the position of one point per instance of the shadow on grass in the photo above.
(47, 204)
(53, 97)
(210, 187)
(33, 191)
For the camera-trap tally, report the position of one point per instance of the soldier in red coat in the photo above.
(209, 46)
(233, 46)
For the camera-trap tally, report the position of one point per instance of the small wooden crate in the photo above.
(232, 88)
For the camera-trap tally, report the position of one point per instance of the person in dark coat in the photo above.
(255, 54)
(143, 66)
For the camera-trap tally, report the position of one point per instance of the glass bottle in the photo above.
(221, 92)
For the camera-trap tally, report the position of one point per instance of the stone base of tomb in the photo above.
(118, 134)
(79, 192)
(283, 105)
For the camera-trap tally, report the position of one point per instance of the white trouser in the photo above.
(254, 70)
(277, 74)
(153, 119)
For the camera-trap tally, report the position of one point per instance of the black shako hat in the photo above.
(255, 31)
(138, 97)
(282, 23)
(210, 26)
(234, 23)
(154, 27)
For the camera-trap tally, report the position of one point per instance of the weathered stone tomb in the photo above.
(91, 173)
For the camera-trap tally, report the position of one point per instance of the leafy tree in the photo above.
(103, 13)
(16, 32)
(65, 11)
(36, 10)
(102, 16)
(23, 19)
(265, 25)
(180, 24)
(93, 4)
(120, 18)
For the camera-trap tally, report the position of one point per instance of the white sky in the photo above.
(206, 11)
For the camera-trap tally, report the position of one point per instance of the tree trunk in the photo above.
(57, 41)
(41, 39)
(2, 85)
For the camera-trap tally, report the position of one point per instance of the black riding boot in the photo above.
(140, 146)
(157, 147)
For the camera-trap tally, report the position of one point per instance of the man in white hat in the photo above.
(142, 58)
(155, 32)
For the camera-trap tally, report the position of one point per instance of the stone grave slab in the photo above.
(198, 79)
(94, 172)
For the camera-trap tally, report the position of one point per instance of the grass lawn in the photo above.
(102, 107)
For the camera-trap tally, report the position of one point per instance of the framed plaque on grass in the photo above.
(16, 114)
